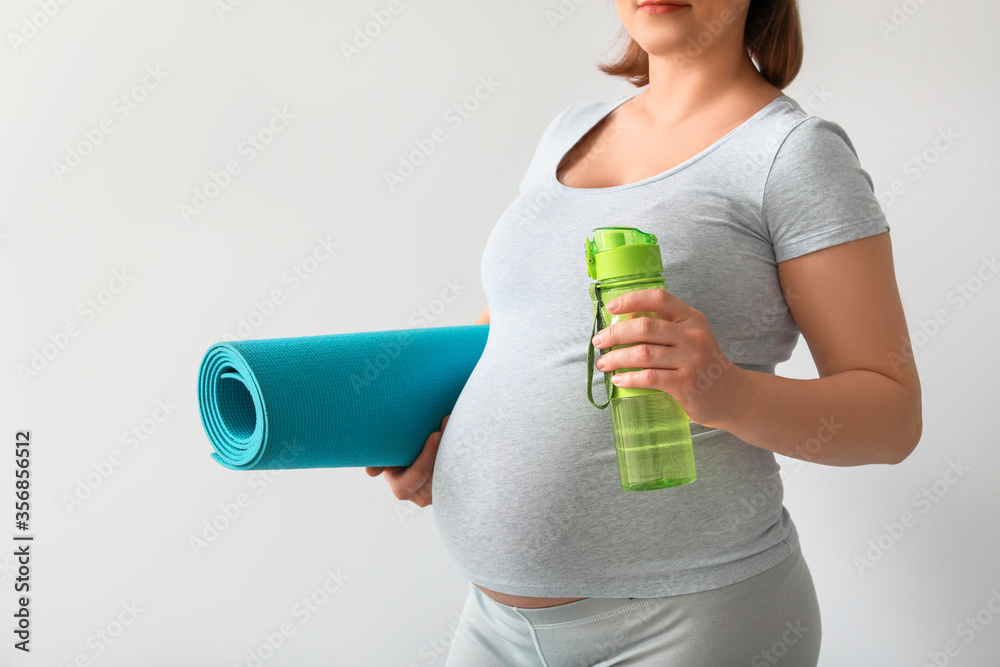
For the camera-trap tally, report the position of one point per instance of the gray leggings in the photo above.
(772, 618)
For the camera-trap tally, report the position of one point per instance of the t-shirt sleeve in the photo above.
(541, 153)
(816, 194)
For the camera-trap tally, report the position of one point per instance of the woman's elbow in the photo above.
(913, 433)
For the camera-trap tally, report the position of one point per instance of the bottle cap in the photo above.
(622, 251)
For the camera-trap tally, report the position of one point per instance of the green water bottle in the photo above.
(652, 434)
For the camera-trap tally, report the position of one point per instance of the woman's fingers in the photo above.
(413, 482)
(423, 496)
(406, 482)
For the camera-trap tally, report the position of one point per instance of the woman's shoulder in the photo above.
(786, 140)
(576, 117)
(792, 126)
(586, 112)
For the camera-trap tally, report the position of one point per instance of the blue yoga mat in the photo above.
(356, 399)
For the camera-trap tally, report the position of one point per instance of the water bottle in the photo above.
(651, 429)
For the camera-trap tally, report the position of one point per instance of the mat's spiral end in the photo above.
(232, 408)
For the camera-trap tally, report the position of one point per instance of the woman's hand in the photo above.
(413, 482)
(677, 352)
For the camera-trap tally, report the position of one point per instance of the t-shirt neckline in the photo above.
(554, 179)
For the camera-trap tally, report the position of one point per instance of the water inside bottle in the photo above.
(652, 439)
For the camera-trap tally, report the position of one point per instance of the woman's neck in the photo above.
(681, 86)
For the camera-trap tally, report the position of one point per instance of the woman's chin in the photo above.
(664, 45)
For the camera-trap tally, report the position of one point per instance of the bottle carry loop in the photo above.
(595, 298)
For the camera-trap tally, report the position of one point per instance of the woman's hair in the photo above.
(773, 37)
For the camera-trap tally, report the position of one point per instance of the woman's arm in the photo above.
(484, 317)
(865, 407)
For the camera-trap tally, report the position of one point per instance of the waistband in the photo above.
(591, 609)
(571, 613)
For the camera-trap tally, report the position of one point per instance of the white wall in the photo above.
(62, 240)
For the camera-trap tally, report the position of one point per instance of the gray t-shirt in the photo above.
(526, 492)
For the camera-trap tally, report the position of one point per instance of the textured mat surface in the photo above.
(356, 399)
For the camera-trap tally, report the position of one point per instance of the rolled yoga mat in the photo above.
(354, 399)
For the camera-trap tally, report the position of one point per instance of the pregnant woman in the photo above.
(769, 228)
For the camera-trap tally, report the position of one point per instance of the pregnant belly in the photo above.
(519, 472)
(527, 497)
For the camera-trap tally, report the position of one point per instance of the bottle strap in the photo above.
(595, 299)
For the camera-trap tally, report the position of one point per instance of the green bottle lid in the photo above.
(622, 251)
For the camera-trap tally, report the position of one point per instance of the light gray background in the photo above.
(323, 176)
